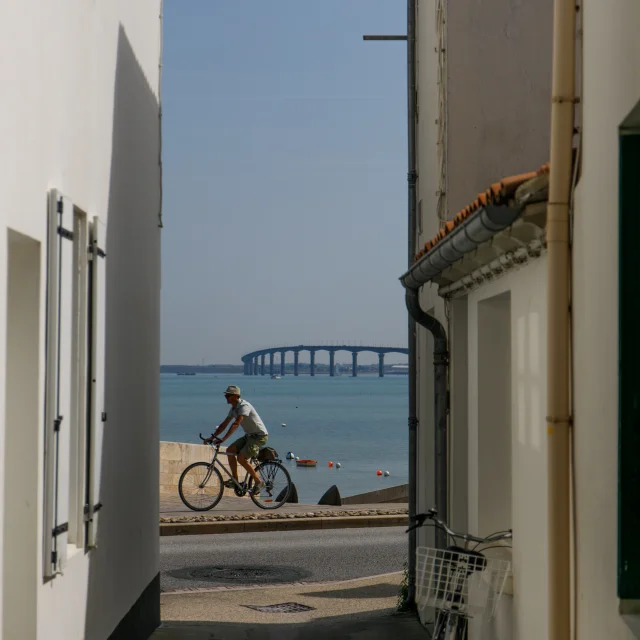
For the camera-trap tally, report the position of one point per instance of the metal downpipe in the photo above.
(441, 405)
(411, 249)
(558, 319)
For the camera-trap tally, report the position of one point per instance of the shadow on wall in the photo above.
(123, 569)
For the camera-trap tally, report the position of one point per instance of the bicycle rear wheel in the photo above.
(277, 487)
(200, 486)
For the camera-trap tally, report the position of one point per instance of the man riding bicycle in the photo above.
(247, 447)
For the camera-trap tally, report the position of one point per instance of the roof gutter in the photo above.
(467, 237)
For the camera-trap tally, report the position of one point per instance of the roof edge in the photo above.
(467, 237)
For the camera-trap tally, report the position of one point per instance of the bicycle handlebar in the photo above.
(421, 518)
(210, 443)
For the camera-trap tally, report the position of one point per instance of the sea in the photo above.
(359, 423)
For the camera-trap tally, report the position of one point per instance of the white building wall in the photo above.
(611, 89)
(494, 77)
(427, 186)
(80, 114)
(524, 614)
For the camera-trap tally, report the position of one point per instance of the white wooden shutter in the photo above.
(97, 412)
(58, 381)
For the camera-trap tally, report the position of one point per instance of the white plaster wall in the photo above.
(528, 606)
(611, 89)
(80, 113)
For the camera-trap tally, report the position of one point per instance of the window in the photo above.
(58, 386)
(74, 380)
(629, 354)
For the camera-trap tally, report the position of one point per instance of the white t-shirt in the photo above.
(251, 422)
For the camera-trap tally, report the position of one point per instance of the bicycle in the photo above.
(201, 485)
(443, 578)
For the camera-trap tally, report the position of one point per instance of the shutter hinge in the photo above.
(60, 206)
(104, 416)
(54, 558)
(87, 510)
(56, 423)
(65, 233)
(61, 528)
(97, 251)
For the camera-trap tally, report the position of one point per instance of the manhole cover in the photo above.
(286, 607)
(242, 574)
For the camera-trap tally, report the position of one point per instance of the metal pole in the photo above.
(411, 338)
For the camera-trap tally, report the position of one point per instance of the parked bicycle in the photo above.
(201, 485)
(459, 582)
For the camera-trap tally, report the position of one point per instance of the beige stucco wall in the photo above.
(499, 90)
(427, 185)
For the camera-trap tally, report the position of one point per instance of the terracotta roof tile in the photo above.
(497, 193)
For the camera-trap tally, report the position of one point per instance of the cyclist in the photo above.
(247, 447)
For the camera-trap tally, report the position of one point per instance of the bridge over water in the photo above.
(254, 362)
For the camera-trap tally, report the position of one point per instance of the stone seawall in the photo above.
(399, 494)
(175, 457)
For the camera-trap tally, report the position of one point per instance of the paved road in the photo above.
(280, 557)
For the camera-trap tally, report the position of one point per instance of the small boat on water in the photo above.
(306, 463)
(275, 377)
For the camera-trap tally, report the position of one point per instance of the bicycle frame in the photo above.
(216, 463)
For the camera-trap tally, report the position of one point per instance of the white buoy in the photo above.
(338, 465)
(297, 458)
(283, 424)
(386, 474)
(291, 455)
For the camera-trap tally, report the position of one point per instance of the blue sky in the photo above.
(284, 176)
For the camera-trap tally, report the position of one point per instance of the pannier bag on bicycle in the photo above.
(267, 454)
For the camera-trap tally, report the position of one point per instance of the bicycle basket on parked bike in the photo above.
(267, 454)
(465, 582)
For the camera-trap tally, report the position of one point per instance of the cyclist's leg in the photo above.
(250, 450)
(247, 465)
(233, 463)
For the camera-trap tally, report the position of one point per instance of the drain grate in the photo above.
(285, 607)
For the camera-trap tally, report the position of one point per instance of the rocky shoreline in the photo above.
(285, 516)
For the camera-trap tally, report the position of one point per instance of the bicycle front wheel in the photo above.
(277, 485)
(200, 486)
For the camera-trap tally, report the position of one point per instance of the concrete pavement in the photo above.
(363, 608)
(190, 563)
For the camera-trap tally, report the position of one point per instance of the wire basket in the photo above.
(461, 582)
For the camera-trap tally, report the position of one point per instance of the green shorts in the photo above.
(250, 444)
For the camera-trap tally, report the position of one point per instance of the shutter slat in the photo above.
(97, 401)
(58, 382)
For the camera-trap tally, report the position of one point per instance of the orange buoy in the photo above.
(378, 472)
(330, 463)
